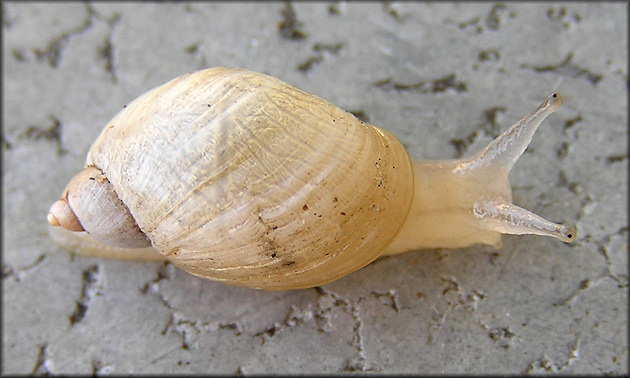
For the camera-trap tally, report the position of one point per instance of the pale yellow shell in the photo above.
(237, 176)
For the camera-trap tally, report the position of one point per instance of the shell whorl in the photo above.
(237, 176)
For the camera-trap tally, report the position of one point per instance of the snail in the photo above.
(238, 177)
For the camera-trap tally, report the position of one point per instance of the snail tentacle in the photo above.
(508, 218)
(505, 150)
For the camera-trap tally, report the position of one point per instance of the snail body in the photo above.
(236, 176)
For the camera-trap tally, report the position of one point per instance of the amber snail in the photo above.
(236, 176)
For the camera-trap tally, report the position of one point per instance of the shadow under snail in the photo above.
(236, 176)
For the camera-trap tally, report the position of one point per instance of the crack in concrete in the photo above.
(583, 285)
(566, 68)
(359, 362)
(622, 280)
(322, 51)
(89, 289)
(434, 86)
(389, 298)
(561, 15)
(191, 330)
(106, 51)
(570, 123)
(390, 9)
(574, 186)
(587, 283)
(194, 50)
(503, 336)
(493, 20)
(54, 49)
(165, 273)
(618, 158)
(473, 22)
(188, 330)
(490, 127)
(43, 363)
(465, 300)
(489, 55)
(497, 15)
(563, 150)
(18, 273)
(267, 333)
(289, 27)
(544, 364)
(456, 298)
(336, 8)
(51, 133)
(326, 302)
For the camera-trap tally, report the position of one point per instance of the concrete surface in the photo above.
(535, 306)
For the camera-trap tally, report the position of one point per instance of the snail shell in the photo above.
(239, 177)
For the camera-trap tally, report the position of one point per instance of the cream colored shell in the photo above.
(237, 176)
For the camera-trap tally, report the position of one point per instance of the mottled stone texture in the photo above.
(445, 78)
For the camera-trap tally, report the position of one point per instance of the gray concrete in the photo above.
(535, 306)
